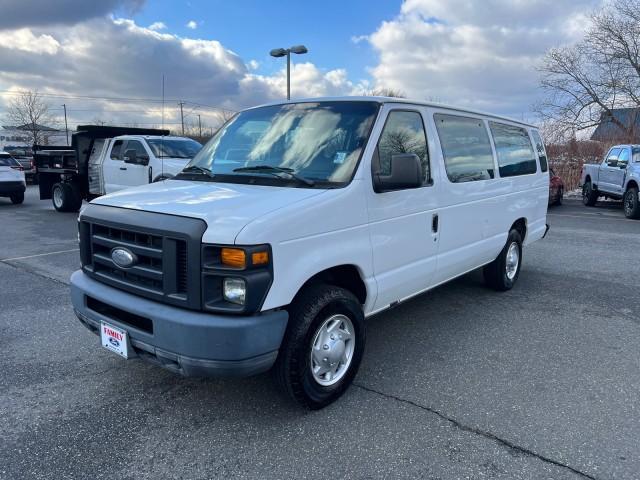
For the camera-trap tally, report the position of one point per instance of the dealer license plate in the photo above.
(114, 339)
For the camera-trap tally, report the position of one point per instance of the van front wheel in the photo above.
(323, 346)
(502, 273)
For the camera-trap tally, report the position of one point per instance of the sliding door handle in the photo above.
(434, 223)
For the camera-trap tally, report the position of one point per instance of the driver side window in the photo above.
(137, 146)
(623, 158)
(403, 133)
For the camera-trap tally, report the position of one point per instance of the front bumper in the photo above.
(187, 342)
(8, 188)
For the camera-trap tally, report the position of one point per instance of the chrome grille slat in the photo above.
(151, 273)
(135, 248)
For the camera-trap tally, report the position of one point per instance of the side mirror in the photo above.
(406, 172)
(612, 162)
(131, 156)
(622, 166)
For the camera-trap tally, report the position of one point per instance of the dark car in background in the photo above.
(556, 188)
(24, 156)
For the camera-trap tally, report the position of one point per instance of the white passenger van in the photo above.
(298, 220)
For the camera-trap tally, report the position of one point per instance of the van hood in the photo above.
(225, 207)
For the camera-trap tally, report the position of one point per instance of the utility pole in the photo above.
(66, 127)
(200, 125)
(182, 116)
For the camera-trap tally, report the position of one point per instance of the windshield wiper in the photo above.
(276, 170)
(199, 169)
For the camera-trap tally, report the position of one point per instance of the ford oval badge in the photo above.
(123, 257)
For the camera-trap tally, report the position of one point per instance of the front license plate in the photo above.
(114, 339)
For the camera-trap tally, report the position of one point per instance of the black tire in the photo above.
(307, 314)
(495, 274)
(631, 203)
(17, 198)
(65, 197)
(589, 194)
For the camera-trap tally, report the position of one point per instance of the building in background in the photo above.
(18, 136)
(609, 131)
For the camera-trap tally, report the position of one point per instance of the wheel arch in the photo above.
(347, 276)
(520, 225)
(631, 184)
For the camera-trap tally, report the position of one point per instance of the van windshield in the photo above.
(318, 142)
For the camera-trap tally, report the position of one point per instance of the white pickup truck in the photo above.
(617, 177)
(104, 160)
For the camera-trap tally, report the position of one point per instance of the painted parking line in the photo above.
(38, 255)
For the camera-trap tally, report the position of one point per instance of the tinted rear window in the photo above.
(465, 147)
(514, 150)
(542, 153)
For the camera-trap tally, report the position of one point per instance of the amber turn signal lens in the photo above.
(233, 257)
(260, 258)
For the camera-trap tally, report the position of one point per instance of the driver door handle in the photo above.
(123, 168)
(434, 223)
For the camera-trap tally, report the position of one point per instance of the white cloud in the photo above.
(192, 24)
(479, 54)
(23, 39)
(157, 26)
(118, 58)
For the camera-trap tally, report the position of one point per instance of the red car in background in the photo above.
(556, 188)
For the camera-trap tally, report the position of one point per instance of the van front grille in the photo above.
(166, 264)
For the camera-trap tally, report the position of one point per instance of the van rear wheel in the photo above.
(503, 272)
(323, 346)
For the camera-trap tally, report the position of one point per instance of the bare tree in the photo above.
(30, 111)
(585, 82)
(224, 116)
(385, 92)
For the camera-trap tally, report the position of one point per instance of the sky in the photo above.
(105, 60)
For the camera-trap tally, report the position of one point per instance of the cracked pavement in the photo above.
(541, 382)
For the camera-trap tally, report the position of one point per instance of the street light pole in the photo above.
(281, 52)
(288, 74)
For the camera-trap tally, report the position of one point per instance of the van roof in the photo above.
(399, 100)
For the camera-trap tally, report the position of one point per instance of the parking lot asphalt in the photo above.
(541, 382)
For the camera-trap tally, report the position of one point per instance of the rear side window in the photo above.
(403, 133)
(465, 147)
(514, 150)
(116, 151)
(542, 153)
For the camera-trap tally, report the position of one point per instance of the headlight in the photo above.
(234, 290)
(235, 278)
